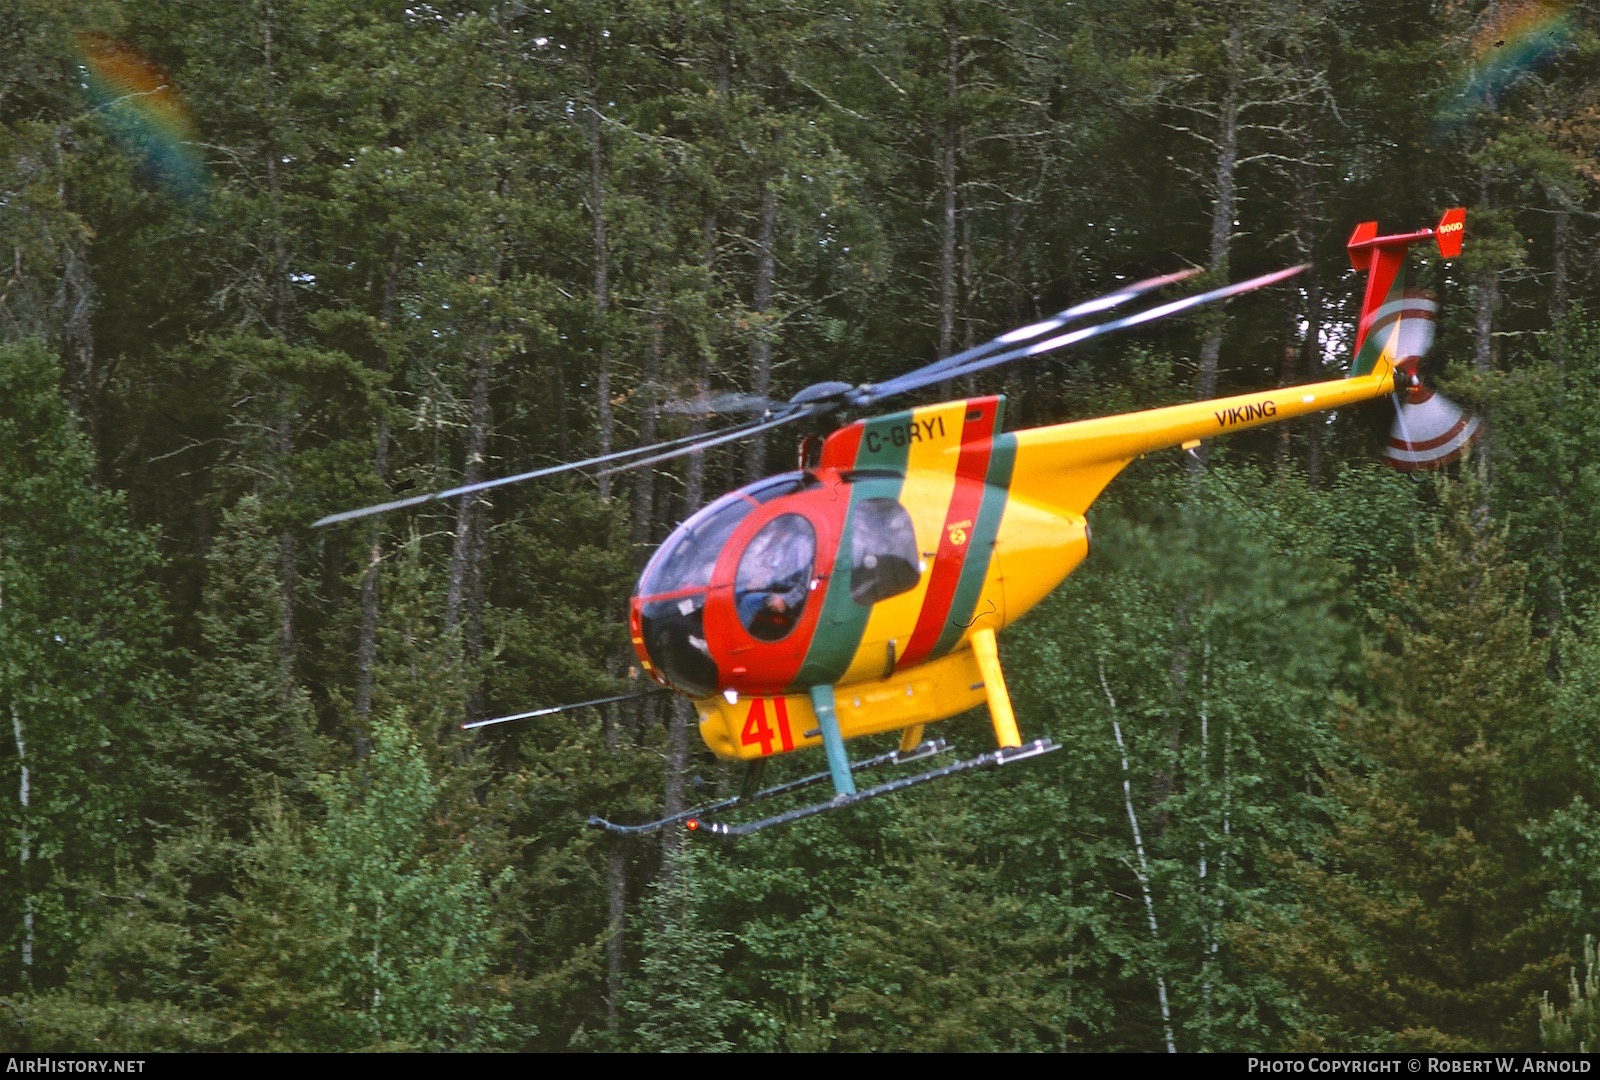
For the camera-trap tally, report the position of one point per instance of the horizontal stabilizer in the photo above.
(1366, 231)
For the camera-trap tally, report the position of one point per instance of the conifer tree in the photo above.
(1421, 921)
(680, 1002)
(1576, 1028)
(253, 730)
(82, 689)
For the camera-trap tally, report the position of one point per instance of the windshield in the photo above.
(690, 554)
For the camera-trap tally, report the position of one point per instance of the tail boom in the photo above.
(1066, 466)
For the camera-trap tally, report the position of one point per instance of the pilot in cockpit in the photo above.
(774, 577)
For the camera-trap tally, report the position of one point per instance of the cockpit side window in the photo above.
(774, 577)
(883, 551)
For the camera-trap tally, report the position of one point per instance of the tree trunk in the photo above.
(280, 257)
(947, 247)
(76, 299)
(616, 866)
(1487, 303)
(472, 604)
(644, 480)
(367, 641)
(968, 327)
(1561, 242)
(279, 285)
(616, 930)
(1287, 365)
(1014, 372)
(1223, 209)
(558, 373)
(1142, 873)
(1312, 350)
(681, 718)
(464, 551)
(761, 353)
(597, 214)
(1555, 599)
(24, 852)
(1488, 298)
(1305, 237)
(286, 574)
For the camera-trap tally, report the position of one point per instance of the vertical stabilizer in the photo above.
(1383, 258)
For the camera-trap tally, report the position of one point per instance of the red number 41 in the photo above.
(756, 730)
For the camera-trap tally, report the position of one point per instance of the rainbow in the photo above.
(144, 112)
(1516, 36)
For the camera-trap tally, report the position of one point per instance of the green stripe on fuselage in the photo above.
(980, 549)
(843, 621)
(886, 443)
(1372, 347)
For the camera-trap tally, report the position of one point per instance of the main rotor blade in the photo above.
(944, 367)
(1161, 311)
(551, 470)
(717, 440)
(552, 710)
(711, 403)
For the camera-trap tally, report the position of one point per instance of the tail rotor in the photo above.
(1430, 431)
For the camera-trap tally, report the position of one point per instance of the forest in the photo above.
(1331, 768)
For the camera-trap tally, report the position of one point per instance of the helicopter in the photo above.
(861, 594)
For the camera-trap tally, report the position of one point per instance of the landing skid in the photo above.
(991, 760)
(895, 757)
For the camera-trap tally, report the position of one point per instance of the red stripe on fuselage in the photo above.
(840, 448)
(977, 436)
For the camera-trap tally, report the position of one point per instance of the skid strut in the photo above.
(992, 760)
(894, 757)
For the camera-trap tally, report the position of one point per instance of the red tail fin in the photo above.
(1448, 234)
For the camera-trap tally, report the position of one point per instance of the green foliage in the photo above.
(1577, 1027)
(253, 729)
(1570, 837)
(1547, 485)
(82, 683)
(1209, 637)
(1420, 921)
(414, 960)
(134, 984)
(935, 955)
(680, 1003)
(278, 941)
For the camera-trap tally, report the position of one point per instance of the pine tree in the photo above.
(140, 981)
(1577, 1027)
(277, 940)
(680, 1002)
(1421, 921)
(253, 728)
(82, 687)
